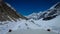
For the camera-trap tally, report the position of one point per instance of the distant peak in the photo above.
(57, 2)
(56, 6)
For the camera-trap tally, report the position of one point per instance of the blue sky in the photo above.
(26, 7)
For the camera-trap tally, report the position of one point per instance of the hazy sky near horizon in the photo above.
(26, 7)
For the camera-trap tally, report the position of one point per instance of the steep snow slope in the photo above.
(53, 25)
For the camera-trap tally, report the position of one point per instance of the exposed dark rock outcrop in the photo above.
(7, 13)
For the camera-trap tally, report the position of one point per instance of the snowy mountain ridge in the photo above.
(50, 13)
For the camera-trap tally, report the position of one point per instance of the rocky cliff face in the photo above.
(7, 13)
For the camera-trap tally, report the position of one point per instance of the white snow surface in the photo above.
(53, 25)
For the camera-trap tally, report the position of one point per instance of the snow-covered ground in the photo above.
(33, 31)
(53, 25)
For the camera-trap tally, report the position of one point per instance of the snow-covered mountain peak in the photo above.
(56, 6)
(34, 15)
(50, 13)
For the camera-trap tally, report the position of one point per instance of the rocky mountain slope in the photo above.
(8, 17)
(7, 13)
